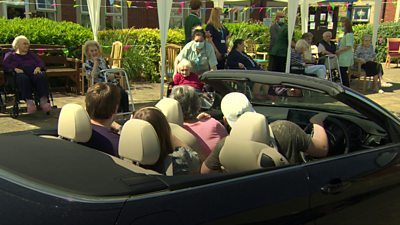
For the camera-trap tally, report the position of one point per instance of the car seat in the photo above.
(74, 124)
(139, 144)
(173, 112)
(243, 155)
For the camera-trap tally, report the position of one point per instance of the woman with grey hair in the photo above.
(29, 71)
(365, 55)
(207, 130)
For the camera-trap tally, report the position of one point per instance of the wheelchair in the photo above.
(10, 94)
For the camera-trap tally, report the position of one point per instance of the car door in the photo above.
(261, 197)
(358, 188)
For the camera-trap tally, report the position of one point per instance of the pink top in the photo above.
(192, 80)
(208, 132)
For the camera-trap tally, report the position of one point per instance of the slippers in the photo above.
(386, 84)
(45, 106)
(31, 107)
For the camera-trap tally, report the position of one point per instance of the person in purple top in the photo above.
(102, 101)
(28, 69)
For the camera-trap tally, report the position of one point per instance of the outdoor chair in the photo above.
(251, 50)
(172, 51)
(393, 51)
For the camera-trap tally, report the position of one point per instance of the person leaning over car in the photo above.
(199, 52)
(102, 104)
(290, 138)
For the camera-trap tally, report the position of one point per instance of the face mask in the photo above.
(221, 17)
(281, 20)
(343, 29)
(199, 45)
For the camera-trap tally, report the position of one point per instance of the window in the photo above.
(85, 19)
(46, 9)
(45, 5)
(114, 15)
(361, 14)
(176, 19)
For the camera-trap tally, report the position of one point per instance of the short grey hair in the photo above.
(189, 100)
(184, 63)
(366, 36)
(17, 40)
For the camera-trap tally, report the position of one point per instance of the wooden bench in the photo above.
(57, 63)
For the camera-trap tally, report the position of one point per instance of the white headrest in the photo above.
(74, 123)
(172, 110)
(239, 155)
(251, 126)
(139, 142)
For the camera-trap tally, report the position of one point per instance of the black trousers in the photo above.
(27, 83)
(345, 76)
(277, 63)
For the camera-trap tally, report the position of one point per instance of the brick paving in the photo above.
(148, 93)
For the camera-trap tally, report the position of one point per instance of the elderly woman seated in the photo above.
(208, 131)
(365, 55)
(301, 55)
(238, 59)
(28, 69)
(185, 76)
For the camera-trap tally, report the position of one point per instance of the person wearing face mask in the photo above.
(278, 44)
(218, 36)
(185, 77)
(345, 51)
(199, 52)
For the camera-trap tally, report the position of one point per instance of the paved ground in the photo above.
(148, 94)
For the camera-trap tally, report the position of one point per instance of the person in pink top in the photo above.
(207, 130)
(185, 76)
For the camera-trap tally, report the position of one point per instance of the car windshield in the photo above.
(288, 96)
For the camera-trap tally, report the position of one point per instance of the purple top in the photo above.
(29, 61)
(103, 139)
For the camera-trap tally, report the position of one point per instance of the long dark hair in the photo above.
(236, 43)
(348, 28)
(160, 124)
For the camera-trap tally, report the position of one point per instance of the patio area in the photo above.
(147, 94)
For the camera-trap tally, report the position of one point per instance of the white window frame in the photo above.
(113, 14)
(53, 9)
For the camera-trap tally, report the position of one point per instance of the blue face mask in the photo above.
(199, 45)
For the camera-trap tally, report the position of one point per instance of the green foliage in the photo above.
(386, 30)
(45, 31)
(256, 31)
(143, 57)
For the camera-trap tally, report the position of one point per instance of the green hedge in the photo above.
(386, 30)
(45, 31)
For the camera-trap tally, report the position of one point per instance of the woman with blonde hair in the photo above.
(94, 64)
(218, 35)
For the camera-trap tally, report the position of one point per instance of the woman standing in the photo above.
(345, 51)
(219, 36)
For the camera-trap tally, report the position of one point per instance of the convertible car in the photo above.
(47, 180)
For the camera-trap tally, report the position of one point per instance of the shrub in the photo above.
(143, 56)
(386, 30)
(45, 31)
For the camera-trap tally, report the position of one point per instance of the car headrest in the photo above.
(74, 123)
(239, 155)
(172, 110)
(251, 126)
(139, 142)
